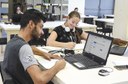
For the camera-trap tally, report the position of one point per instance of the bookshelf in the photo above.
(4, 10)
(36, 4)
(57, 8)
(52, 8)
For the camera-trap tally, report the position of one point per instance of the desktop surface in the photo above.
(72, 75)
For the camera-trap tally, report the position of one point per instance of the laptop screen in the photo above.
(118, 50)
(98, 45)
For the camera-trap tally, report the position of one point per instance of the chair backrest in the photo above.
(42, 40)
(16, 18)
(3, 41)
(109, 17)
(100, 24)
(6, 78)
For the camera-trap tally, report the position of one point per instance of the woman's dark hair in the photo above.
(16, 6)
(31, 14)
(75, 8)
(74, 14)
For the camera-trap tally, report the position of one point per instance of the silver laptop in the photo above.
(95, 52)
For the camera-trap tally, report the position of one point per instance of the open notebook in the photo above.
(46, 64)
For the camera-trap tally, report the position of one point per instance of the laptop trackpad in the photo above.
(79, 65)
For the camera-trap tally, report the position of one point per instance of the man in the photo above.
(19, 61)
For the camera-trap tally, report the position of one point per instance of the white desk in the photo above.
(88, 16)
(52, 24)
(14, 29)
(108, 21)
(9, 29)
(85, 16)
(72, 75)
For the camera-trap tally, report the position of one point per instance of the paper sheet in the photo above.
(120, 62)
(46, 63)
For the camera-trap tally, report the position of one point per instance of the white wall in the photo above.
(120, 29)
(76, 3)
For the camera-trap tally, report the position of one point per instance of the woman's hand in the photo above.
(70, 45)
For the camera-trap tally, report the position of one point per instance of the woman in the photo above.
(17, 15)
(18, 9)
(67, 34)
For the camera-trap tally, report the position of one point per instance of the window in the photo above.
(99, 7)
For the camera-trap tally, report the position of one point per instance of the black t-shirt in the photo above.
(71, 36)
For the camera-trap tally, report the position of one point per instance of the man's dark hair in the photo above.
(31, 14)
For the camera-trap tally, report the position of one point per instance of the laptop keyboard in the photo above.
(80, 58)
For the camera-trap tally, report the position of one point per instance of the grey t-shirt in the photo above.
(27, 57)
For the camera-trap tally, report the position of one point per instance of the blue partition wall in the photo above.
(99, 7)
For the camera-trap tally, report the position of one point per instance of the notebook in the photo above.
(95, 52)
(118, 50)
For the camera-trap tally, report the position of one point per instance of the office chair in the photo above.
(3, 41)
(99, 26)
(105, 16)
(16, 18)
(6, 78)
(42, 40)
(109, 17)
(102, 28)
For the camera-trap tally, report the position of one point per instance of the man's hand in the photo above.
(50, 56)
(46, 55)
(55, 56)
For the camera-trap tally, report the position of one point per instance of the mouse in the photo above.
(103, 72)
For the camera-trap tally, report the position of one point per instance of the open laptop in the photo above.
(95, 52)
(118, 50)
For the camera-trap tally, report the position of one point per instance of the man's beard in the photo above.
(35, 34)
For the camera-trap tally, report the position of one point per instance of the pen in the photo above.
(71, 38)
(63, 56)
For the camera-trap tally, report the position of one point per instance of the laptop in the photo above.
(95, 52)
(118, 50)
